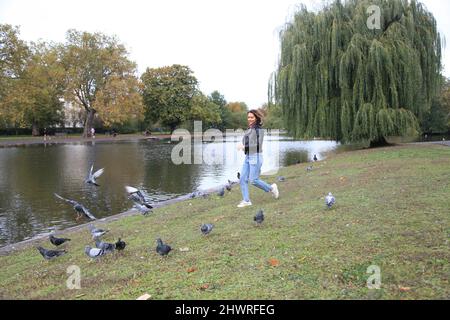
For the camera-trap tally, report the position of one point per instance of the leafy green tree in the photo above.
(168, 94)
(273, 116)
(95, 64)
(203, 109)
(340, 79)
(42, 86)
(225, 114)
(14, 54)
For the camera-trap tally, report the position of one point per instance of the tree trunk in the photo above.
(35, 130)
(381, 142)
(88, 123)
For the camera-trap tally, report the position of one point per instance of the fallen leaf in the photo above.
(193, 269)
(219, 218)
(204, 287)
(184, 249)
(404, 289)
(274, 262)
(144, 297)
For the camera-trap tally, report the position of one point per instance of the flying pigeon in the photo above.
(281, 179)
(315, 158)
(162, 248)
(79, 208)
(206, 228)
(94, 252)
(259, 217)
(138, 196)
(92, 176)
(96, 233)
(51, 254)
(120, 245)
(221, 192)
(107, 247)
(329, 200)
(57, 241)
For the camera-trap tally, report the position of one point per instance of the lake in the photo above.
(30, 175)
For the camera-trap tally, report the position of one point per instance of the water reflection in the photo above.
(29, 177)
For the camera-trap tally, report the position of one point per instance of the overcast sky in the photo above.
(231, 45)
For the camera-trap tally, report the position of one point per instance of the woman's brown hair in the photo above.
(258, 115)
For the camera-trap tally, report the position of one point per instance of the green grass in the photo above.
(392, 211)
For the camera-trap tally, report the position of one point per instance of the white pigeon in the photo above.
(94, 175)
(330, 200)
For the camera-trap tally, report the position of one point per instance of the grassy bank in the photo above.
(392, 211)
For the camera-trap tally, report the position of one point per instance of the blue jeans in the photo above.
(250, 173)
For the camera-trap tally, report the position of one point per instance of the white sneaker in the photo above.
(244, 204)
(275, 191)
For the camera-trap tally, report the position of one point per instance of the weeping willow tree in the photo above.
(339, 79)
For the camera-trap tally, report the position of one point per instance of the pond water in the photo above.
(30, 175)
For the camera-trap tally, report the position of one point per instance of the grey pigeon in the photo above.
(107, 247)
(281, 179)
(259, 217)
(330, 200)
(315, 158)
(94, 175)
(120, 245)
(57, 241)
(142, 209)
(221, 192)
(206, 228)
(138, 196)
(309, 169)
(79, 208)
(162, 248)
(239, 175)
(51, 254)
(96, 233)
(94, 252)
(229, 185)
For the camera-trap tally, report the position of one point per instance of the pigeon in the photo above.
(259, 217)
(92, 176)
(51, 254)
(206, 228)
(162, 248)
(97, 233)
(221, 192)
(79, 208)
(239, 175)
(120, 245)
(138, 196)
(309, 169)
(142, 209)
(315, 158)
(94, 252)
(298, 162)
(228, 185)
(329, 200)
(281, 179)
(57, 241)
(107, 247)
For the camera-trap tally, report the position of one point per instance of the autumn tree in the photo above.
(168, 94)
(96, 66)
(338, 77)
